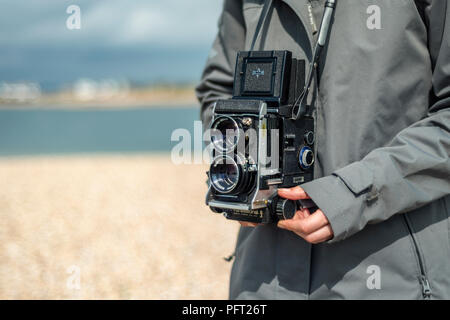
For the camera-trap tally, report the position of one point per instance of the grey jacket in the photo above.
(383, 143)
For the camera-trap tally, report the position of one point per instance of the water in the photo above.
(53, 131)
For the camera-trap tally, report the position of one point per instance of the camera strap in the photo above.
(300, 106)
(262, 19)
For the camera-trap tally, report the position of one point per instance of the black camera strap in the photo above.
(300, 105)
(262, 19)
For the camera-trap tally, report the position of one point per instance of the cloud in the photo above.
(110, 22)
(139, 40)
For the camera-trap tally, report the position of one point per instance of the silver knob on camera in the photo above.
(306, 158)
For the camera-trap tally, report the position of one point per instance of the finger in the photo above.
(323, 234)
(304, 213)
(295, 193)
(248, 224)
(306, 225)
(301, 214)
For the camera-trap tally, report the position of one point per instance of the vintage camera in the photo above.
(256, 144)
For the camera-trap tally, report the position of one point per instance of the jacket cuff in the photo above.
(343, 197)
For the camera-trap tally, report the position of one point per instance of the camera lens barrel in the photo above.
(230, 175)
(225, 134)
(224, 174)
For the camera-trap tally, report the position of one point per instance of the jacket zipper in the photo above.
(426, 289)
(312, 20)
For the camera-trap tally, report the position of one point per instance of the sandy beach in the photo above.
(109, 227)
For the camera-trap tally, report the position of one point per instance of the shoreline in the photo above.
(100, 106)
(173, 97)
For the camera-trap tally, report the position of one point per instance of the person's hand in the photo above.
(248, 224)
(314, 228)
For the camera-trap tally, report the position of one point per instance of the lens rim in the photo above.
(238, 170)
(230, 146)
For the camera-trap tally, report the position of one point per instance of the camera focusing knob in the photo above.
(306, 158)
(285, 209)
(309, 137)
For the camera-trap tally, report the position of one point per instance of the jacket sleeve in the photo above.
(412, 170)
(218, 75)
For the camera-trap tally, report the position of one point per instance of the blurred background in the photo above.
(91, 204)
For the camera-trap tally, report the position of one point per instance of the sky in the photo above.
(142, 41)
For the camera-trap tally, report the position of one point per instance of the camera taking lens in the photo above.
(224, 174)
(229, 176)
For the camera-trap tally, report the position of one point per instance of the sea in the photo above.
(43, 130)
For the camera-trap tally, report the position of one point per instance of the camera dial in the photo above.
(309, 137)
(285, 209)
(306, 158)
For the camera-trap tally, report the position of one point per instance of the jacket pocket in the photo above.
(423, 279)
(357, 177)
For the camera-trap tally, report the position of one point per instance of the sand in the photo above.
(110, 227)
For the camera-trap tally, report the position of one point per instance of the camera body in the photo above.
(257, 147)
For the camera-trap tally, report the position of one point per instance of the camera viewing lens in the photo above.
(224, 174)
(229, 134)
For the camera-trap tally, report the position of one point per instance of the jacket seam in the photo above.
(438, 53)
(277, 267)
(442, 35)
(444, 202)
